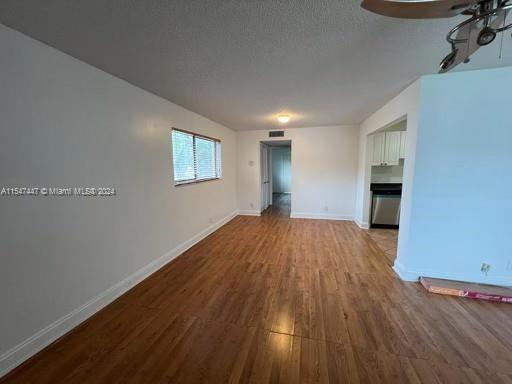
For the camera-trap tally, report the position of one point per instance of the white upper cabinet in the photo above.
(386, 148)
(403, 140)
(379, 142)
(392, 153)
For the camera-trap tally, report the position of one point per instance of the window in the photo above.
(195, 157)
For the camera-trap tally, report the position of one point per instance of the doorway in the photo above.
(276, 178)
(386, 159)
(266, 191)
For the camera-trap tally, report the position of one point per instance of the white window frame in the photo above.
(218, 159)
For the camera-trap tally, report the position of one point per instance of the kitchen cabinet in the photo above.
(379, 142)
(403, 141)
(386, 148)
(392, 148)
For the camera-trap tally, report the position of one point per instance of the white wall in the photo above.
(281, 170)
(456, 199)
(462, 193)
(65, 123)
(324, 167)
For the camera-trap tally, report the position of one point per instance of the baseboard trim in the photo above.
(320, 216)
(41, 339)
(249, 213)
(362, 225)
(412, 275)
(405, 274)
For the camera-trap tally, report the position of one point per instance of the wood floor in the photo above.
(387, 241)
(279, 300)
(281, 206)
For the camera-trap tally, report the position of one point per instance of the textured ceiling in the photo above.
(239, 62)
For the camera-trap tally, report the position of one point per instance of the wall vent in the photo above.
(276, 134)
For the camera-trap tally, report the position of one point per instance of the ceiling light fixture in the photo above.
(283, 119)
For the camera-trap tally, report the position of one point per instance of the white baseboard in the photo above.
(412, 275)
(404, 274)
(26, 349)
(249, 213)
(362, 225)
(320, 216)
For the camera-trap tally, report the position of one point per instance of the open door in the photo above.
(266, 192)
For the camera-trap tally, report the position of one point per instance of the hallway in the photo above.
(269, 299)
(280, 207)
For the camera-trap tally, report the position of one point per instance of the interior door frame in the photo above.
(270, 177)
(268, 145)
(265, 186)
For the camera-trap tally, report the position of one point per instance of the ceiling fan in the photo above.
(486, 18)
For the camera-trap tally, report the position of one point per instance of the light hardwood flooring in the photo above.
(387, 241)
(276, 300)
(281, 206)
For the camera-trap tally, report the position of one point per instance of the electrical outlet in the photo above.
(210, 220)
(485, 268)
(326, 208)
(509, 265)
(252, 205)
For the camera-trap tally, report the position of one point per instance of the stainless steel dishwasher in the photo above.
(386, 199)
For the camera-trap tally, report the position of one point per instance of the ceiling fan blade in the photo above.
(418, 9)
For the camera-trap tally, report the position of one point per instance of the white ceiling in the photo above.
(239, 62)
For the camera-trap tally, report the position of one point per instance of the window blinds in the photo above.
(195, 157)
